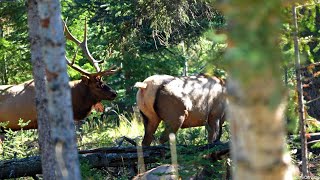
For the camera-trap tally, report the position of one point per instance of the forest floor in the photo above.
(99, 131)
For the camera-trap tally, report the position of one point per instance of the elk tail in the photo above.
(141, 85)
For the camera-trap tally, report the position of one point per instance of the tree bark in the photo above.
(304, 147)
(59, 95)
(256, 91)
(108, 157)
(41, 100)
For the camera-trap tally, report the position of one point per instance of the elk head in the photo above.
(99, 90)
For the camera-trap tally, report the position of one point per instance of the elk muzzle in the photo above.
(110, 93)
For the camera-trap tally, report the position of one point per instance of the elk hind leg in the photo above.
(173, 122)
(150, 127)
(171, 110)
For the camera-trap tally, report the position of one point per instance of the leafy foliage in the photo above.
(89, 173)
(147, 37)
(308, 27)
(19, 144)
(14, 47)
(146, 42)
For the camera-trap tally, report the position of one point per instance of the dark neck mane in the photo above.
(82, 100)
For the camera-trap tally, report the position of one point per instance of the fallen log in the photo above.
(15, 168)
(105, 157)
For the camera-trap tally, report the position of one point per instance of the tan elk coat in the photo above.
(181, 102)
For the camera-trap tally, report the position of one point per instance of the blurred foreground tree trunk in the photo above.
(257, 93)
(59, 94)
(41, 99)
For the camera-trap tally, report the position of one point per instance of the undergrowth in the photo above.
(19, 144)
(106, 130)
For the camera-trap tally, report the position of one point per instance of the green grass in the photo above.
(106, 132)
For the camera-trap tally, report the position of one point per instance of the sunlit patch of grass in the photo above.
(130, 127)
(105, 132)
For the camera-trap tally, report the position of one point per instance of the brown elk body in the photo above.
(181, 102)
(18, 101)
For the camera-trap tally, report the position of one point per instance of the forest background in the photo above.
(156, 37)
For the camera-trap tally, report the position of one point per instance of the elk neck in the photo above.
(82, 99)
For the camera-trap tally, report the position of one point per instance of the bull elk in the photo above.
(181, 102)
(18, 101)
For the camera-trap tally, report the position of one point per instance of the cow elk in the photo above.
(18, 101)
(181, 102)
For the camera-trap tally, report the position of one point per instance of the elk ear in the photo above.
(98, 78)
(85, 80)
(141, 85)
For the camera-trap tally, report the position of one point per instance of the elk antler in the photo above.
(83, 45)
(107, 72)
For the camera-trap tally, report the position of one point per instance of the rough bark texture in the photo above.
(106, 157)
(256, 91)
(59, 95)
(39, 75)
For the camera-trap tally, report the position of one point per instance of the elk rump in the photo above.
(181, 102)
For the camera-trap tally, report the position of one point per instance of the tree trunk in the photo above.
(304, 147)
(59, 95)
(256, 91)
(41, 100)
